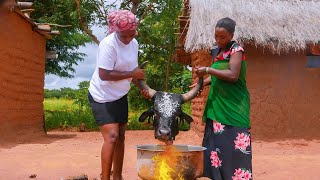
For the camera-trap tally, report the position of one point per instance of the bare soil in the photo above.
(59, 155)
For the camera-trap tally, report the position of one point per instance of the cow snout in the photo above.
(164, 132)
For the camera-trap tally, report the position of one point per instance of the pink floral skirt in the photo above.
(228, 155)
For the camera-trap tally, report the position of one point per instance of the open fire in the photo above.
(166, 164)
(174, 162)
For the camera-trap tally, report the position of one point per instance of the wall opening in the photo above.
(313, 56)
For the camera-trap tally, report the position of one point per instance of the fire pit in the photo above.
(176, 162)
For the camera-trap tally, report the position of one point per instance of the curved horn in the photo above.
(193, 92)
(143, 84)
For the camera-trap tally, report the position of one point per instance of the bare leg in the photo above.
(119, 153)
(110, 133)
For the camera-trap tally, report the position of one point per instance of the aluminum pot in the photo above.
(189, 158)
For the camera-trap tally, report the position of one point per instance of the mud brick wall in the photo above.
(22, 68)
(285, 96)
(200, 58)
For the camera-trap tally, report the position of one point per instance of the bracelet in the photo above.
(207, 70)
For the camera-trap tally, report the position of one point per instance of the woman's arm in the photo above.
(207, 81)
(231, 74)
(112, 75)
(144, 92)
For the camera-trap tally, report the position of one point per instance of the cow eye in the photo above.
(156, 112)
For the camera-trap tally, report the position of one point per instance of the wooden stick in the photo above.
(51, 24)
(27, 10)
(51, 55)
(44, 28)
(54, 32)
(84, 26)
(25, 5)
(27, 15)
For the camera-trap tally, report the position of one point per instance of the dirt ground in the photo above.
(61, 154)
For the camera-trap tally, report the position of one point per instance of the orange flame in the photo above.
(166, 165)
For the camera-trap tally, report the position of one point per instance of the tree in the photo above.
(64, 12)
(82, 95)
(158, 24)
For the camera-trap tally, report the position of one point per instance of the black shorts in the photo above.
(110, 112)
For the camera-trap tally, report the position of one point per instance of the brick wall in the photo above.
(285, 96)
(22, 67)
(200, 58)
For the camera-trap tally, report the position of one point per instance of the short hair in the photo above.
(227, 23)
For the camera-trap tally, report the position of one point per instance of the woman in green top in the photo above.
(227, 137)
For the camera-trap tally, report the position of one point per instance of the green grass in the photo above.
(57, 104)
(63, 114)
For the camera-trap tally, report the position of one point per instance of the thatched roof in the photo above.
(281, 25)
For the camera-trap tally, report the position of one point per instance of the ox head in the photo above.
(166, 111)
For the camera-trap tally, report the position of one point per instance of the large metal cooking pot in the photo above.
(189, 166)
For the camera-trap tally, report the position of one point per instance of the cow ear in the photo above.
(186, 117)
(145, 114)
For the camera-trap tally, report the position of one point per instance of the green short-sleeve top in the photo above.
(229, 102)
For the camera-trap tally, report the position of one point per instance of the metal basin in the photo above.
(189, 161)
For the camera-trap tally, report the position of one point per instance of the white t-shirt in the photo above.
(113, 55)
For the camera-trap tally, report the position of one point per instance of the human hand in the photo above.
(194, 84)
(200, 71)
(145, 93)
(137, 73)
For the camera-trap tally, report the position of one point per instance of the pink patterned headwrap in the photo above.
(121, 20)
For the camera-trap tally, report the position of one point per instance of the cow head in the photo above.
(166, 110)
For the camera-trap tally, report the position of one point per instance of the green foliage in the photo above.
(157, 32)
(136, 101)
(181, 81)
(66, 93)
(134, 124)
(63, 114)
(157, 44)
(157, 41)
(180, 84)
(55, 93)
(186, 108)
(70, 110)
(68, 113)
(82, 96)
(66, 44)
(53, 104)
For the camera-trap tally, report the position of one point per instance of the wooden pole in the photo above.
(51, 55)
(44, 28)
(25, 5)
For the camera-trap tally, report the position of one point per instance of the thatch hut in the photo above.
(22, 64)
(276, 34)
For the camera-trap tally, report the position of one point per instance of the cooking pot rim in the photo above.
(160, 148)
